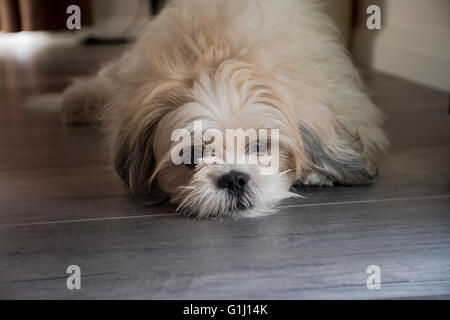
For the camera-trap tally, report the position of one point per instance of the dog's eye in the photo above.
(258, 147)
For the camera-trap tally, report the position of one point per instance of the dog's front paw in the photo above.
(79, 106)
(372, 169)
(316, 179)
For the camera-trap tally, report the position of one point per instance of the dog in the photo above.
(233, 64)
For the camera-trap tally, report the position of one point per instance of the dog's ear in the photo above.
(134, 162)
(341, 160)
(134, 158)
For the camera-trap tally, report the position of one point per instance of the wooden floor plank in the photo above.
(314, 252)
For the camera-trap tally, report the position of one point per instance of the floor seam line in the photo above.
(177, 214)
(363, 201)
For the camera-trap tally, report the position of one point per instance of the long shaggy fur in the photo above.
(234, 64)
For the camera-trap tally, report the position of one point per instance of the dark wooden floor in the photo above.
(62, 204)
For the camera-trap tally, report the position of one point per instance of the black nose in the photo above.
(233, 181)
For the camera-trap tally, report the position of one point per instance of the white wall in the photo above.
(413, 43)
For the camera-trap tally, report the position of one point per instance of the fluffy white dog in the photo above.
(233, 64)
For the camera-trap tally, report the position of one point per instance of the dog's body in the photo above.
(234, 64)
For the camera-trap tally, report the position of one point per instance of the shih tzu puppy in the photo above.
(249, 65)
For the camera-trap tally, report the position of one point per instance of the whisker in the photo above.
(286, 171)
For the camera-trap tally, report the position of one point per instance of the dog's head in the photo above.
(220, 144)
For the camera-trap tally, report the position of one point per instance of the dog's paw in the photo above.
(316, 179)
(79, 106)
(372, 169)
